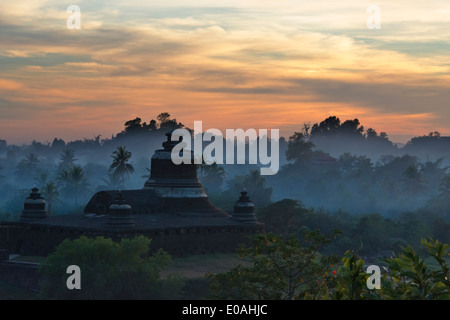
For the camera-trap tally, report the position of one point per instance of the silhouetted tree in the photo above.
(3, 145)
(332, 126)
(432, 143)
(211, 176)
(73, 183)
(151, 126)
(352, 127)
(444, 187)
(166, 123)
(413, 181)
(378, 140)
(67, 158)
(355, 165)
(433, 173)
(133, 126)
(283, 217)
(27, 168)
(50, 194)
(58, 144)
(327, 127)
(120, 166)
(299, 149)
(11, 153)
(163, 117)
(41, 179)
(31, 160)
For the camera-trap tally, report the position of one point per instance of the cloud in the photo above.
(266, 62)
(7, 85)
(184, 22)
(393, 97)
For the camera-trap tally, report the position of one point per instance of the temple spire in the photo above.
(244, 209)
(120, 214)
(34, 207)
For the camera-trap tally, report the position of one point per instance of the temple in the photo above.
(172, 209)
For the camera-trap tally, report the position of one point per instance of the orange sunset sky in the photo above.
(232, 64)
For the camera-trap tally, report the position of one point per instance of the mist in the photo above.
(338, 167)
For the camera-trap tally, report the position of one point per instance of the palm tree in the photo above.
(120, 165)
(31, 160)
(78, 181)
(74, 182)
(41, 179)
(67, 158)
(27, 167)
(50, 194)
(212, 176)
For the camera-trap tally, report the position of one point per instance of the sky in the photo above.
(262, 64)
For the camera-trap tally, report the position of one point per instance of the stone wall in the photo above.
(21, 275)
(40, 240)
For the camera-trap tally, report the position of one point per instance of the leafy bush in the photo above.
(109, 270)
(276, 267)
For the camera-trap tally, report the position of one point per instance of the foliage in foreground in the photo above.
(281, 268)
(109, 270)
(277, 267)
(407, 277)
(273, 267)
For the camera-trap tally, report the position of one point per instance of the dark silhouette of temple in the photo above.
(172, 209)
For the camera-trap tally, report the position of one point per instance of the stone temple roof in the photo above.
(171, 189)
(146, 201)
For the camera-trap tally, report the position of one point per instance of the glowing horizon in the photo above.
(240, 64)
